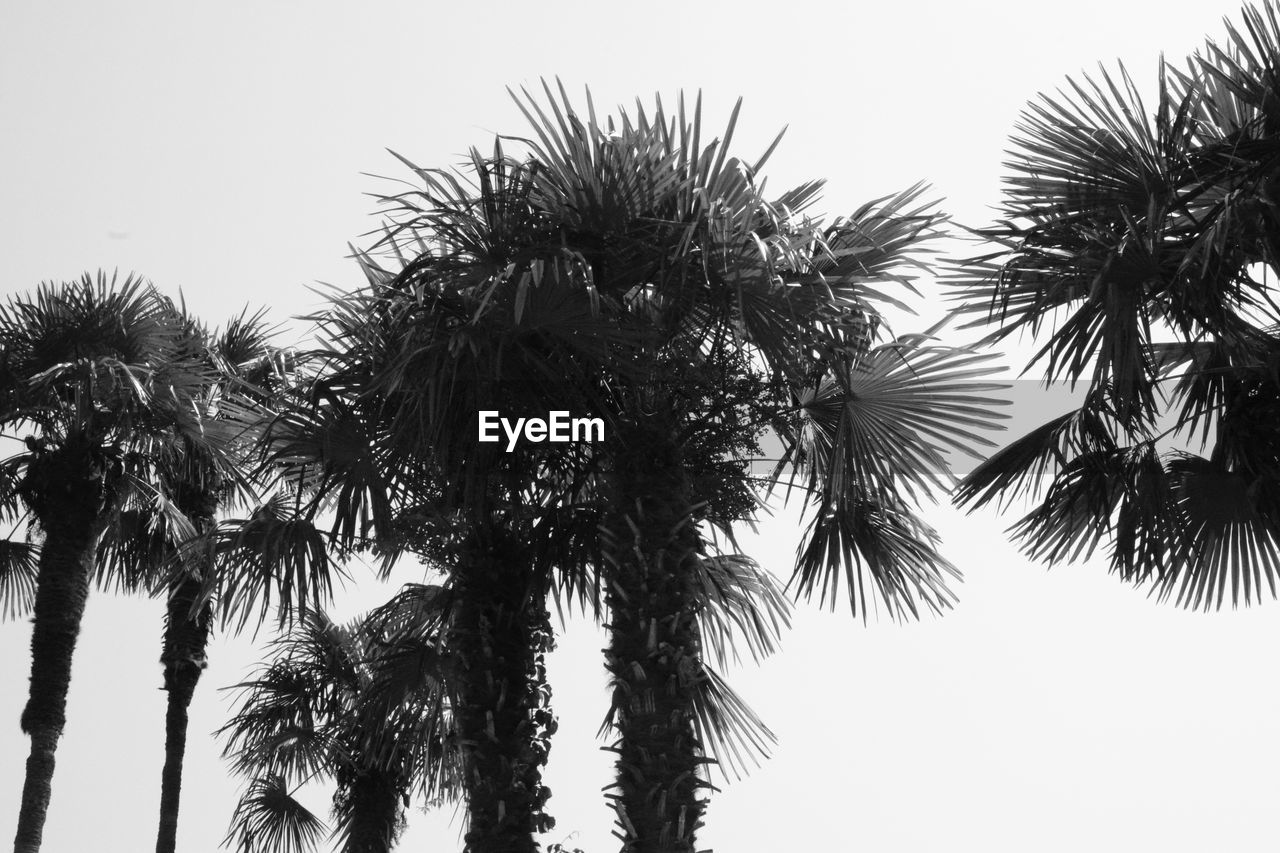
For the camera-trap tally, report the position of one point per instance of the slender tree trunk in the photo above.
(186, 638)
(65, 495)
(500, 633)
(654, 657)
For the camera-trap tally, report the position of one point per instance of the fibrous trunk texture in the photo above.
(64, 490)
(369, 801)
(500, 633)
(654, 657)
(186, 638)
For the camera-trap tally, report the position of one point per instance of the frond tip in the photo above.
(269, 820)
(878, 544)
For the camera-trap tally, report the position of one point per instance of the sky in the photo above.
(228, 150)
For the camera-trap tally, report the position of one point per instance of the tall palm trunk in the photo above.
(654, 657)
(64, 490)
(186, 638)
(500, 633)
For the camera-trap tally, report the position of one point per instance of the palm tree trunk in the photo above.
(500, 633)
(65, 495)
(369, 801)
(654, 657)
(185, 641)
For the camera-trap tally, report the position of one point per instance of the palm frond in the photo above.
(733, 734)
(280, 725)
(743, 603)
(333, 452)
(1100, 237)
(354, 702)
(19, 567)
(1032, 461)
(135, 551)
(268, 819)
(889, 426)
(1240, 78)
(273, 556)
(1229, 536)
(1118, 494)
(880, 243)
(877, 545)
(245, 341)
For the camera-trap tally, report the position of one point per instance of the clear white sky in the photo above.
(218, 148)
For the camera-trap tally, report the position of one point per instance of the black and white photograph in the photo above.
(640, 428)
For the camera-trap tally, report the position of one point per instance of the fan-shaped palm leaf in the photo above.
(1229, 536)
(859, 444)
(269, 818)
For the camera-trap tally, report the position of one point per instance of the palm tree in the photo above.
(701, 262)
(409, 362)
(390, 414)
(243, 362)
(179, 552)
(100, 373)
(1145, 241)
(319, 709)
(711, 286)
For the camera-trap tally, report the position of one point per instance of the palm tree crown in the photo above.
(1142, 241)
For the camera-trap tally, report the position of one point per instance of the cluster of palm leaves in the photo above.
(1144, 239)
(626, 270)
(366, 706)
